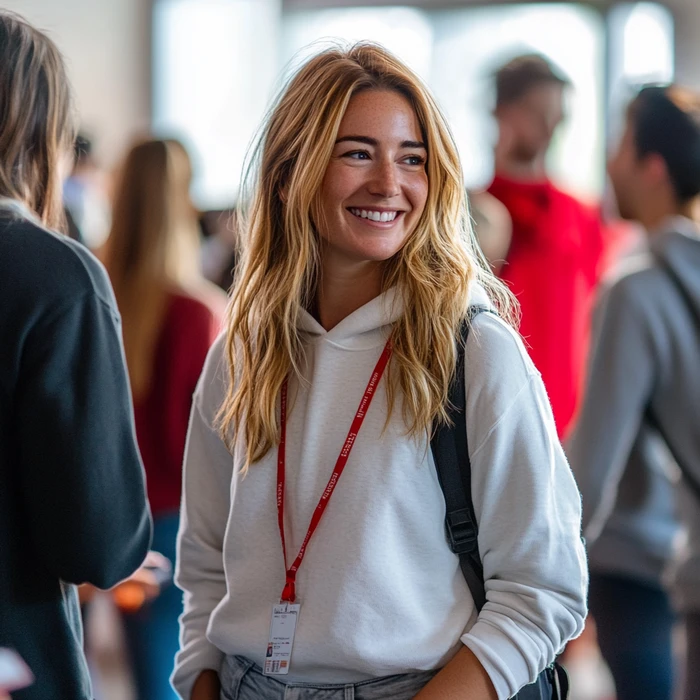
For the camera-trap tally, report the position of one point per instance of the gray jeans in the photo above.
(241, 679)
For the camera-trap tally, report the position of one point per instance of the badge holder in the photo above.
(285, 614)
(279, 648)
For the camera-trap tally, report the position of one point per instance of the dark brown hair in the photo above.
(666, 120)
(36, 118)
(517, 77)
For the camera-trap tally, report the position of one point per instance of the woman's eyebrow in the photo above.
(373, 142)
(360, 139)
(414, 144)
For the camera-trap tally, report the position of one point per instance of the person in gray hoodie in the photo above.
(641, 406)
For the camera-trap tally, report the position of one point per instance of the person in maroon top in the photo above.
(553, 262)
(170, 317)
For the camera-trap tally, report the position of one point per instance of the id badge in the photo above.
(279, 648)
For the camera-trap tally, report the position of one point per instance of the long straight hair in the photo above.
(153, 246)
(279, 258)
(37, 122)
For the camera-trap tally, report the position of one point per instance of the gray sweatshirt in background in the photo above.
(645, 354)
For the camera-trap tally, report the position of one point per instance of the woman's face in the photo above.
(376, 185)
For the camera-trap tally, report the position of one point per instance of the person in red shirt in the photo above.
(553, 262)
(170, 317)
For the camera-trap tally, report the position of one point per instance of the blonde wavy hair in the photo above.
(37, 120)
(279, 257)
(153, 246)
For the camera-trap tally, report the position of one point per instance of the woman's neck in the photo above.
(345, 288)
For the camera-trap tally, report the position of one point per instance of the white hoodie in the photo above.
(381, 593)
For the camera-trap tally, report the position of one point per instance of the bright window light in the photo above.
(641, 51)
(648, 44)
(473, 42)
(217, 64)
(214, 67)
(455, 50)
(404, 31)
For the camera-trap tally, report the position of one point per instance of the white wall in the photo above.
(687, 16)
(106, 44)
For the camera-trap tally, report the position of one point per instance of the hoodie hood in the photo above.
(368, 319)
(678, 249)
(371, 323)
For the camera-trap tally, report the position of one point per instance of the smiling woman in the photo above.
(357, 279)
(372, 195)
(386, 169)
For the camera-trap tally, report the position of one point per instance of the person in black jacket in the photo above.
(73, 507)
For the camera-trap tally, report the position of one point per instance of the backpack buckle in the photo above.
(461, 532)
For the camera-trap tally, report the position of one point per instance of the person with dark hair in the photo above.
(552, 264)
(641, 405)
(84, 197)
(73, 505)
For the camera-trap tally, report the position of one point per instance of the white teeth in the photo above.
(382, 216)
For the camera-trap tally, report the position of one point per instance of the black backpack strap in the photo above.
(651, 417)
(691, 482)
(450, 449)
(451, 454)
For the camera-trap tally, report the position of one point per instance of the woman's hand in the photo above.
(142, 586)
(207, 686)
(86, 592)
(132, 593)
(463, 677)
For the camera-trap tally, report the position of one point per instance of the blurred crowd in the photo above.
(609, 304)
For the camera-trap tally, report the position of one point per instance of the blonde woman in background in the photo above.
(358, 268)
(170, 316)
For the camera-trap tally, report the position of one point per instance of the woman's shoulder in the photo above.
(214, 380)
(494, 346)
(497, 365)
(504, 391)
(200, 306)
(44, 265)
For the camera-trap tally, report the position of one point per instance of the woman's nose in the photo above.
(385, 182)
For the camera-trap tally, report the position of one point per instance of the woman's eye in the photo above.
(357, 155)
(414, 160)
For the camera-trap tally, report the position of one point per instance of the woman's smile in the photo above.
(379, 218)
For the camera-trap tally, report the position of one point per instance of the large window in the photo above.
(456, 51)
(217, 64)
(641, 51)
(214, 65)
(405, 31)
(472, 43)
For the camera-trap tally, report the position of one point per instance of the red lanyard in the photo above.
(289, 592)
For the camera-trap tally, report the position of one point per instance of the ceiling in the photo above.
(308, 4)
